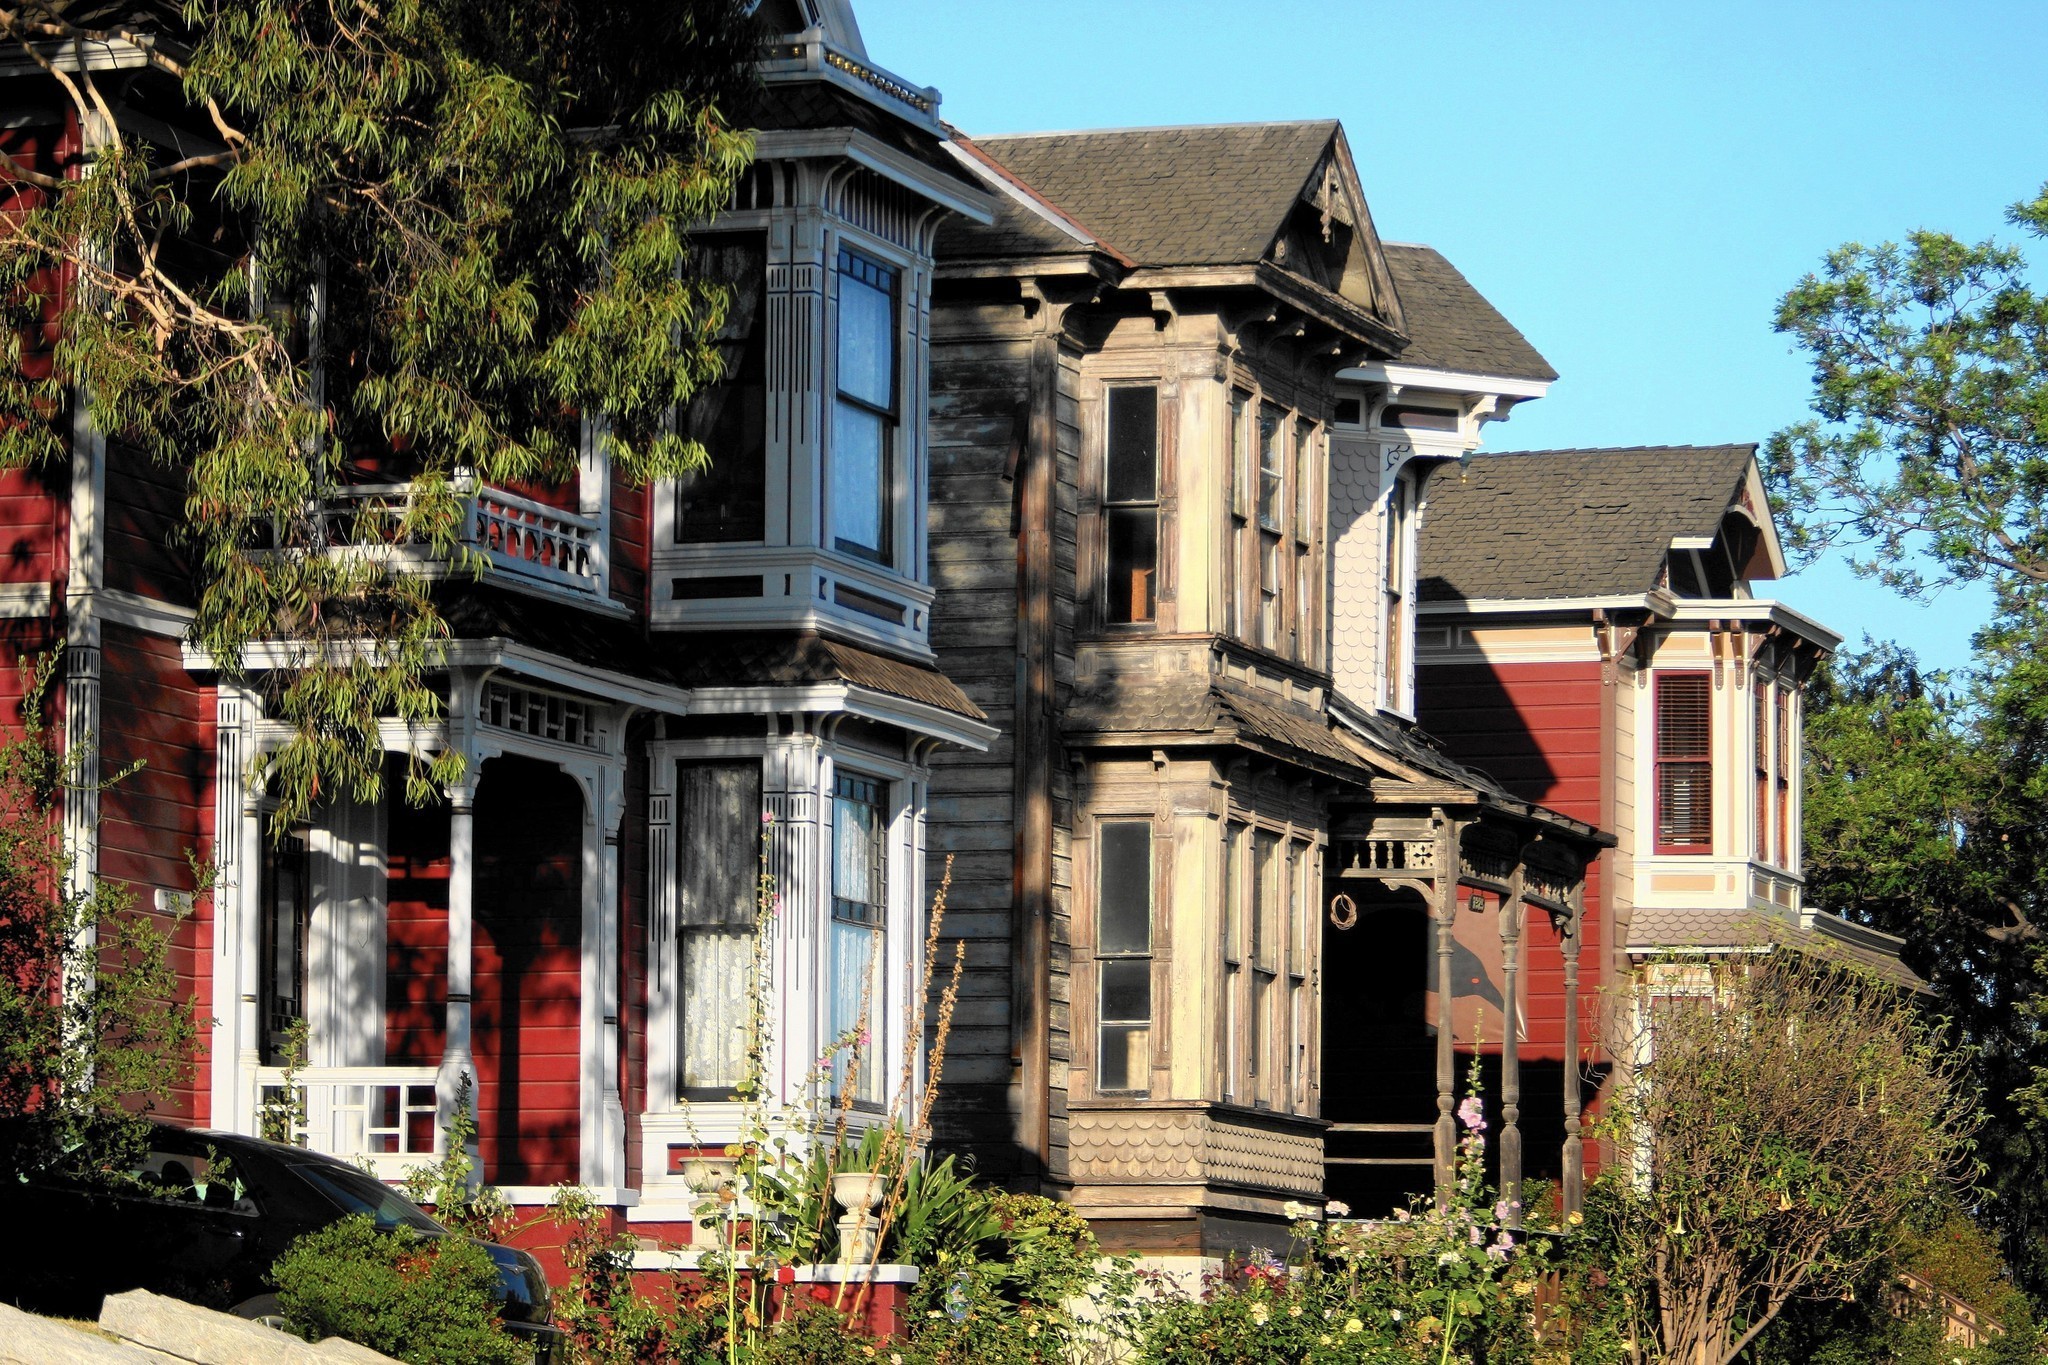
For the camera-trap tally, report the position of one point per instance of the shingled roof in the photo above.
(1570, 523)
(1451, 326)
(1214, 194)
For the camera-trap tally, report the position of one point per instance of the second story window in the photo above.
(727, 499)
(863, 454)
(1272, 518)
(1684, 763)
(1123, 956)
(1131, 504)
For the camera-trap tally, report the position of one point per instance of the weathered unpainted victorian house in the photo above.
(1176, 460)
(1590, 634)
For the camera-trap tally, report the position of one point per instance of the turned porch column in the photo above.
(1446, 908)
(1513, 916)
(1574, 1146)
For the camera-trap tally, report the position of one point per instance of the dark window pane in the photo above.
(727, 500)
(1127, 991)
(718, 808)
(1133, 445)
(1685, 804)
(1133, 563)
(1123, 914)
(1121, 1064)
(1421, 419)
(859, 851)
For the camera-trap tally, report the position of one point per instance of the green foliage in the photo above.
(436, 236)
(451, 1184)
(1930, 371)
(94, 1027)
(427, 1300)
(1793, 1118)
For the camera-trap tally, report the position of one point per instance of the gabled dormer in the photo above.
(812, 514)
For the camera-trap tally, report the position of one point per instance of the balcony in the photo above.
(529, 542)
(380, 1116)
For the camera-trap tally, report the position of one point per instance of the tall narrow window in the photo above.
(727, 499)
(1272, 516)
(1131, 503)
(718, 870)
(1685, 766)
(863, 456)
(1765, 821)
(287, 916)
(1300, 914)
(1265, 954)
(1233, 958)
(1236, 530)
(1123, 952)
(1395, 626)
(1306, 598)
(1788, 757)
(860, 898)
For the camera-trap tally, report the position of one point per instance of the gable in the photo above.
(1328, 237)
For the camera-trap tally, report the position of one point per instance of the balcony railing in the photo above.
(520, 536)
(385, 1114)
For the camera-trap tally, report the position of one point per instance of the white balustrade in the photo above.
(520, 536)
(383, 1113)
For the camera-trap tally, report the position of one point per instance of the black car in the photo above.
(203, 1220)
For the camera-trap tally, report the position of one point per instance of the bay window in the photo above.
(860, 899)
(718, 804)
(1684, 762)
(1272, 512)
(865, 418)
(1123, 956)
(1131, 504)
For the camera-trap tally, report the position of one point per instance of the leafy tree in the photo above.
(1930, 370)
(425, 237)
(1793, 1116)
(93, 1025)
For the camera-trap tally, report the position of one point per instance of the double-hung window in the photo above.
(1305, 595)
(1684, 763)
(860, 898)
(863, 456)
(1233, 958)
(1130, 496)
(1123, 956)
(718, 872)
(1300, 915)
(727, 499)
(1766, 822)
(1237, 532)
(1267, 1089)
(1788, 755)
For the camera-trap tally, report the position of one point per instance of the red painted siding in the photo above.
(416, 933)
(528, 984)
(631, 525)
(155, 715)
(144, 508)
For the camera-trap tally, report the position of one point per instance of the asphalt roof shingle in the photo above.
(1570, 523)
(1451, 326)
(1214, 194)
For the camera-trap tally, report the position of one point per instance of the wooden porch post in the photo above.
(1513, 916)
(1574, 1147)
(1446, 1136)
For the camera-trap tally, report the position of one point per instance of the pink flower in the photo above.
(1474, 1235)
(863, 1040)
(1472, 1114)
(766, 818)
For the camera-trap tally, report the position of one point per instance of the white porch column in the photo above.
(793, 796)
(457, 1057)
(249, 960)
(230, 856)
(601, 1147)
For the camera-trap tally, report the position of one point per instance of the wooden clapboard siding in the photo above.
(143, 511)
(627, 550)
(416, 930)
(981, 396)
(155, 715)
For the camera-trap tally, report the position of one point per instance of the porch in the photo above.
(389, 959)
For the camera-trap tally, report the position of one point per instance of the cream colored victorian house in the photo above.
(1161, 470)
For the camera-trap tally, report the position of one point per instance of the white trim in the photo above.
(1756, 609)
(146, 614)
(852, 700)
(865, 150)
(1503, 605)
(1446, 381)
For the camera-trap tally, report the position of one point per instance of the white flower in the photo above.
(1295, 1311)
(1337, 1208)
(1260, 1314)
(1294, 1210)
(1353, 1325)
(1397, 1315)
(1447, 1258)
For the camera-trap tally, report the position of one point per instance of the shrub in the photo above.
(427, 1300)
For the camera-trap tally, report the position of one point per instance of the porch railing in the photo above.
(520, 536)
(386, 1114)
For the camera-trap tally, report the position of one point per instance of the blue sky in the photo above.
(1634, 185)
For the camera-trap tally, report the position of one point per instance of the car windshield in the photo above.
(359, 1193)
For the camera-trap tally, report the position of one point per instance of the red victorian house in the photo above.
(641, 678)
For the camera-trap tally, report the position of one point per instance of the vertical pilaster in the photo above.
(458, 1059)
(1446, 1135)
(249, 958)
(793, 784)
(229, 849)
(662, 975)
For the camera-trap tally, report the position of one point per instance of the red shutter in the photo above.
(1684, 760)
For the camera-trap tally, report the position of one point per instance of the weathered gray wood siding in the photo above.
(980, 395)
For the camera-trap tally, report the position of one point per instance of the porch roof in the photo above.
(1662, 929)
